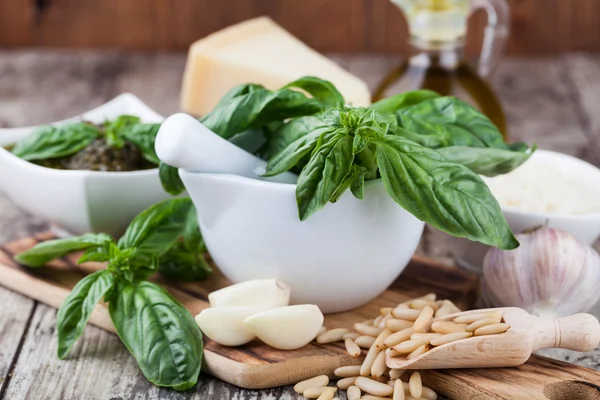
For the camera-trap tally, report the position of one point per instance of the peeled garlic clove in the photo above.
(225, 325)
(550, 274)
(287, 328)
(260, 293)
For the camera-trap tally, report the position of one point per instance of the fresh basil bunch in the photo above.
(158, 331)
(50, 142)
(429, 151)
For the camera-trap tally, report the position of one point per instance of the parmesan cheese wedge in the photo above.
(257, 51)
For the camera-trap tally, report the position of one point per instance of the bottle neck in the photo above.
(427, 53)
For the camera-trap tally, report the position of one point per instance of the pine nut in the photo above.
(406, 314)
(347, 371)
(417, 352)
(345, 383)
(321, 330)
(402, 306)
(353, 393)
(327, 394)
(429, 394)
(352, 348)
(317, 381)
(415, 386)
(396, 325)
(470, 318)
(425, 335)
(410, 345)
(392, 353)
(385, 311)
(371, 397)
(430, 297)
(315, 392)
(423, 323)
(482, 322)
(447, 327)
(384, 320)
(391, 382)
(420, 304)
(373, 387)
(334, 335)
(450, 337)
(378, 367)
(368, 322)
(364, 342)
(377, 320)
(367, 329)
(396, 373)
(381, 339)
(365, 368)
(398, 337)
(398, 390)
(351, 335)
(493, 329)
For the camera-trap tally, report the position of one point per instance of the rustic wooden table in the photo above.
(551, 101)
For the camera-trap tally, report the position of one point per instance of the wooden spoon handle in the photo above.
(579, 332)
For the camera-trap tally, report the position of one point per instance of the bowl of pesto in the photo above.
(89, 173)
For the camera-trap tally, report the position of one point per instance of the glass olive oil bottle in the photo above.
(436, 62)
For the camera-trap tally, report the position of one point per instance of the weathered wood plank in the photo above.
(16, 317)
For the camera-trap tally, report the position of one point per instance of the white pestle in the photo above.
(183, 142)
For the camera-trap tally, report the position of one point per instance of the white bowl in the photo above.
(81, 201)
(339, 258)
(585, 227)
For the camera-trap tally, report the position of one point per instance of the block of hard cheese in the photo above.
(257, 51)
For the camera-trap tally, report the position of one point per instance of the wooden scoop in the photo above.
(527, 333)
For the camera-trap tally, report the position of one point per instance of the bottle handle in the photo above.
(495, 33)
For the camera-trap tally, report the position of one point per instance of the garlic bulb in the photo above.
(550, 274)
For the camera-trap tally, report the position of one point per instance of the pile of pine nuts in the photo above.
(407, 330)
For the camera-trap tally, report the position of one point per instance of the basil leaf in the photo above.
(74, 313)
(486, 161)
(192, 238)
(53, 142)
(357, 186)
(155, 229)
(182, 264)
(159, 332)
(455, 123)
(98, 254)
(323, 91)
(43, 252)
(143, 137)
(170, 180)
(394, 103)
(257, 108)
(297, 138)
(446, 195)
(237, 91)
(329, 165)
(113, 130)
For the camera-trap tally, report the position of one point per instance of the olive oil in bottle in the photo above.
(437, 63)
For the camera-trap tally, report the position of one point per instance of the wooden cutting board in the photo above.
(257, 366)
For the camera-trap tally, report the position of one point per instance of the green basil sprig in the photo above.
(251, 107)
(353, 143)
(53, 142)
(56, 141)
(158, 331)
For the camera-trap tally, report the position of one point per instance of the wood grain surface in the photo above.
(375, 26)
(552, 101)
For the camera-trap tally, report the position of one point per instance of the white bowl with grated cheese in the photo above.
(553, 188)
